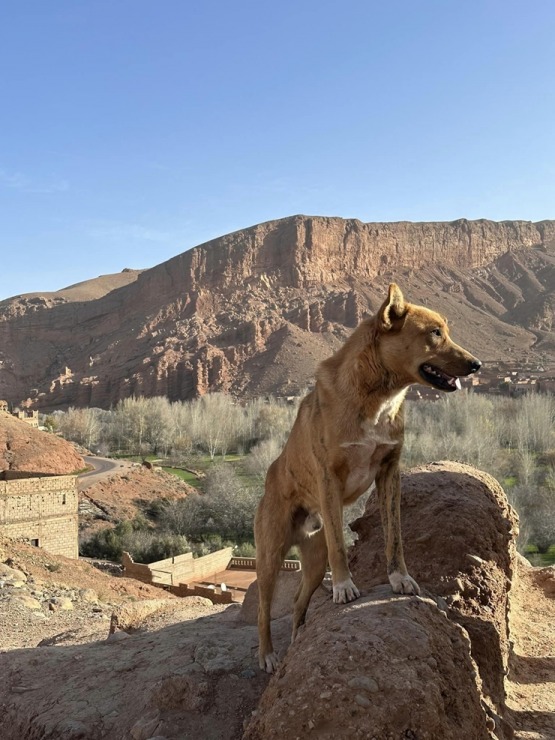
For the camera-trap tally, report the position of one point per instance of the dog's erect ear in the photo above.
(392, 309)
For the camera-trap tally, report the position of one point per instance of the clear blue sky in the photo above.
(132, 130)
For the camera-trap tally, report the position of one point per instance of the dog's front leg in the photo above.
(388, 485)
(344, 590)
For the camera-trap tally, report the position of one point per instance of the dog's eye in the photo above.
(436, 332)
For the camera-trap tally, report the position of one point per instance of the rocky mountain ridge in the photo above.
(253, 312)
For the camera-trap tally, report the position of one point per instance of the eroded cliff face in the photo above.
(301, 251)
(255, 311)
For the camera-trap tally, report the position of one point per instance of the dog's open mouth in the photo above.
(439, 379)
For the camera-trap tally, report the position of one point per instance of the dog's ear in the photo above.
(392, 309)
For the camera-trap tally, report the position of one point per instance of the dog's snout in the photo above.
(475, 365)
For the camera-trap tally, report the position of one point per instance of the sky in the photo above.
(133, 130)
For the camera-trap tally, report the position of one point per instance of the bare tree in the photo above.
(220, 424)
(81, 425)
(262, 456)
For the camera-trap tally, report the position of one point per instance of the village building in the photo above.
(42, 510)
(39, 507)
(29, 416)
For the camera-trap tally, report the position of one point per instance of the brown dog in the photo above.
(348, 434)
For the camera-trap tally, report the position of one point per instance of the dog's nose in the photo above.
(475, 365)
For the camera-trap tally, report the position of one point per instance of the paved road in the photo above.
(103, 467)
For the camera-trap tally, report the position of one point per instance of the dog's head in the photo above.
(415, 345)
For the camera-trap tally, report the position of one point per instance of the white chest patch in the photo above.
(365, 454)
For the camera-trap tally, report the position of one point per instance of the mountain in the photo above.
(253, 312)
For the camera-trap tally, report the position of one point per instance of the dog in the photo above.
(348, 434)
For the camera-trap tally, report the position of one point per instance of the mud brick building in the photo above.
(42, 509)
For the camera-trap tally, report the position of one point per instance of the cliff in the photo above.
(254, 311)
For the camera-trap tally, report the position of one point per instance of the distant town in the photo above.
(499, 379)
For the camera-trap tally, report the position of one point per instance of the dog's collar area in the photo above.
(439, 379)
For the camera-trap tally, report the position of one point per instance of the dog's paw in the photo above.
(345, 591)
(403, 584)
(268, 663)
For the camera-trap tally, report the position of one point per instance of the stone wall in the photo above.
(42, 510)
(181, 569)
(216, 595)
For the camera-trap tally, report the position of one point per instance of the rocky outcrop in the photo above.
(253, 312)
(388, 666)
(460, 546)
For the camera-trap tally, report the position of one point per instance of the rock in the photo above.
(545, 577)
(88, 595)
(25, 449)
(60, 603)
(28, 601)
(128, 617)
(217, 655)
(146, 726)
(364, 682)
(448, 499)
(362, 670)
(186, 693)
(11, 576)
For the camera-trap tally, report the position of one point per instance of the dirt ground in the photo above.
(531, 683)
(193, 664)
(59, 596)
(96, 597)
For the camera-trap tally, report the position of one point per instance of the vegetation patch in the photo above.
(224, 448)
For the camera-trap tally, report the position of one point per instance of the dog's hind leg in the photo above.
(273, 540)
(267, 658)
(314, 557)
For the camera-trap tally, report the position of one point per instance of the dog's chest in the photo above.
(364, 455)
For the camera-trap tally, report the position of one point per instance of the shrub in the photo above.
(144, 545)
(245, 550)
(536, 507)
(262, 456)
(225, 510)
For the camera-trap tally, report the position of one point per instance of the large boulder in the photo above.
(389, 666)
(460, 545)
(382, 667)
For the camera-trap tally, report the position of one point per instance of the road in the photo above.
(103, 467)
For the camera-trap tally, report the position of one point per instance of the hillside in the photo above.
(30, 451)
(253, 312)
